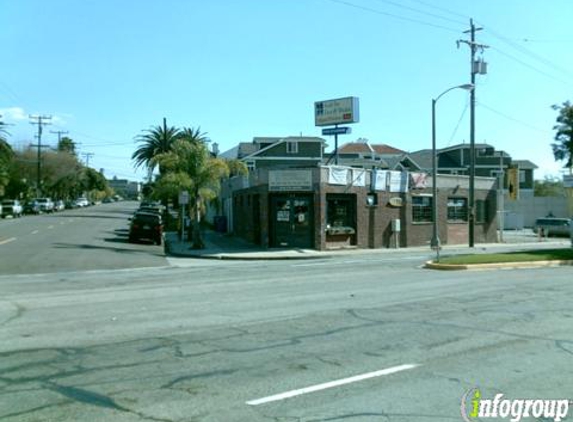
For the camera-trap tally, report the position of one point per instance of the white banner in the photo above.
(338, 175)
(380, 180)
(398, 181)
(358, 177)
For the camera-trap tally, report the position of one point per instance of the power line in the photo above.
(392, 15)
(59, 133)
(87, 156)
(422, 12)
(535, 69)
(513, 119)
(443, 9)
(529, 53)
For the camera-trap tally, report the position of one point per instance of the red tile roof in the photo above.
(358, 147)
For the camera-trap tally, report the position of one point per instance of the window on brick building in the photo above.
(457, 209)
(421, 209)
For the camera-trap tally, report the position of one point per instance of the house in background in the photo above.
(489, 162)
(125, 188)
(277, 152)
(363, 154)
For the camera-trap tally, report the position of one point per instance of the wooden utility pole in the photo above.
(41, 121)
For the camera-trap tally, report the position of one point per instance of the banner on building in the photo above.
(358, 177)
(398, 181)
(338, 175)
(419, 180)
(380, 180)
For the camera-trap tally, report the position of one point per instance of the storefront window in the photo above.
(340, 214)
(421, 209)
(457, 209)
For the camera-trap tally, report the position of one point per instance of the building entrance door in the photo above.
(292, 221)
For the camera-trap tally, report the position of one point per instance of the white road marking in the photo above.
(331, 384)
(3, 242)
(35, 232)
(50, 227)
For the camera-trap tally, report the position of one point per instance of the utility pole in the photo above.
(481, 68)
(41, 121)
(59, 133)
(87, 155)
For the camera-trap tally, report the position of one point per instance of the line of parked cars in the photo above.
(147, 223)
(15, 208)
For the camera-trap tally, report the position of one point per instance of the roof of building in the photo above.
(466, 146)
(524, 164)
(368, 148)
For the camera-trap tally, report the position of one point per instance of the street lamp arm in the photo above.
(467, 87)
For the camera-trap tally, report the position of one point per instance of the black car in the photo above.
(146, 226)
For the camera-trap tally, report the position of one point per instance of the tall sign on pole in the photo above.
(334, 113)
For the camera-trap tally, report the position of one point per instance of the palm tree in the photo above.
(155, 141)
(189, 166)
(194, 135)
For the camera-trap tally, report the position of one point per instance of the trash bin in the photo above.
(220, 222)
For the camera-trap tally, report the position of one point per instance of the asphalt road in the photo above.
(91, 238)
(362, 339)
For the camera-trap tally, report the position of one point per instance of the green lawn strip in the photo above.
(522, 256)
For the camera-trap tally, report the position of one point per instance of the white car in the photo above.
(46, 204)
(11, 207)
(82, 202)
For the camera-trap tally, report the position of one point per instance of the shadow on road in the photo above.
(107, 248)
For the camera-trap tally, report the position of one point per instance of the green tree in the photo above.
(550, 186)
(189, 166)
(6, 156)
(66, 144)
(563, 147)
(153, 142)
(6, 159)
(194, 135)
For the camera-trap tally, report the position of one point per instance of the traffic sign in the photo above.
(336, 131)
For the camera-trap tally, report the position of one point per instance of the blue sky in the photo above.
(106, 70)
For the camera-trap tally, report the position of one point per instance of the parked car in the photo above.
(11, 207)
(46, 204)
(32, 207)
(82, 202)
(551, 226)
(146, 226)
(59, 205)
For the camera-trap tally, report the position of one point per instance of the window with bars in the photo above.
(421, 209)
(457, 209)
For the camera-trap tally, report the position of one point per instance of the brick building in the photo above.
(333, 206)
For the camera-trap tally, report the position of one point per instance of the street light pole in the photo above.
(435, 242)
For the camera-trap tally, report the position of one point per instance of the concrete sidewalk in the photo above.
(225, 246)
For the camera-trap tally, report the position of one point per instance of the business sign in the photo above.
(336, 112)
(290, 180)
(344, 130)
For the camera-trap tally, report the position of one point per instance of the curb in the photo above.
(526, 264)
(239, 257)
